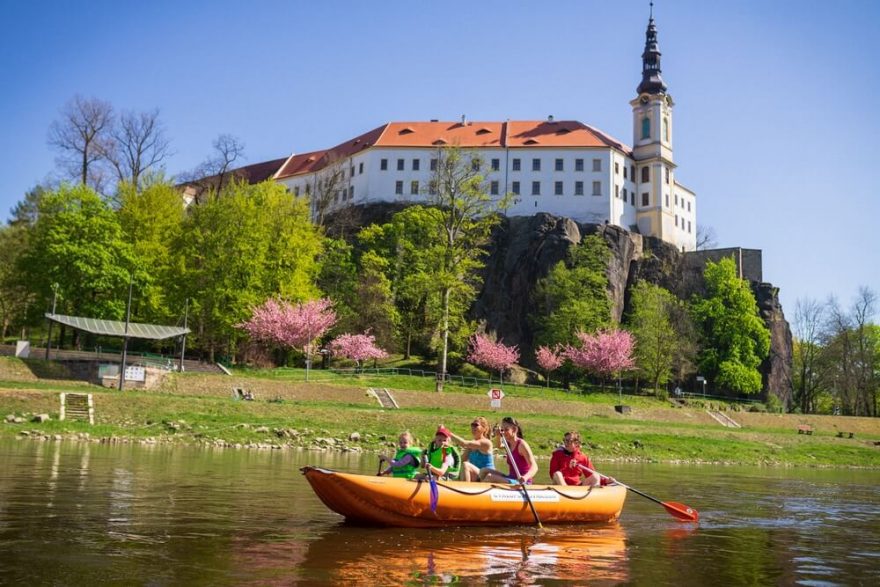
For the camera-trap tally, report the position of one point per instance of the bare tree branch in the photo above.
(80, 136)
(138, 144)
(706, 238)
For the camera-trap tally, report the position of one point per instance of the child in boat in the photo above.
(477, 452)
(567, 462)
(406, 461)
(442, 460)
(510, 433)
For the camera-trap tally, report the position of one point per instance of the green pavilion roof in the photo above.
(117, 327)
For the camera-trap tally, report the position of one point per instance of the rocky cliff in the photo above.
(525, 248)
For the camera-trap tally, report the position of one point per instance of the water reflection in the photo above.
(83, 514)
(351, 555)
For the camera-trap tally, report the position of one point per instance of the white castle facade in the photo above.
(565, 168)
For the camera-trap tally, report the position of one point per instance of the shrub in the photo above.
(661, 393)
(774, 404)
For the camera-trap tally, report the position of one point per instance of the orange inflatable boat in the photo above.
(390, 501)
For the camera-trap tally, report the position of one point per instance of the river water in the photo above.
(87, 514)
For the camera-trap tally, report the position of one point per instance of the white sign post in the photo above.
(495, 396)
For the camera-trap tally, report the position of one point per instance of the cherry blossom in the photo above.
(495, 355)
(357, 347)
(604, 353)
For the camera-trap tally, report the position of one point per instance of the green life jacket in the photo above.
(436, 455)
(408, 470)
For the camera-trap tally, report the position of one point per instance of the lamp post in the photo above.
(701, 379)
(125, 335)
(308, 349)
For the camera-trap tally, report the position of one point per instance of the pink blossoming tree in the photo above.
(605, 353)
(297, 326)
(550, 359)
(484, 351)
(357, 347)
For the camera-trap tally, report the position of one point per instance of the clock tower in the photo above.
(652, 145)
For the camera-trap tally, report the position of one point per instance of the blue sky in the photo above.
(775, 130)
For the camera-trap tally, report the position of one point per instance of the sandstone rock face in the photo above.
(524, 249)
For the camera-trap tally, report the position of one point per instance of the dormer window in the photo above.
(483, 131)
(406, 131)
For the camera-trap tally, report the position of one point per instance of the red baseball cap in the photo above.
(443, 431)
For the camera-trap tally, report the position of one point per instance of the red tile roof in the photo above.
(512, 134)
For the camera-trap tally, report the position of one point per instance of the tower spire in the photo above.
(652, 83)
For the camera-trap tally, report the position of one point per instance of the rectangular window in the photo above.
(617, 168)
(676, 199)
(536, 188)
(616, 191)
(597, 188)
(632, 172)
(360, 168)
(666, 200)
(383, 164)
(689, 206)
(432, 187)
(351, 193)
(579, 188)
(351, 171)
(475, 164)
(597, 165)
(416, 164)
(496, 164)
(400, 164)
(398, 187)
(646, 174)
(433, 164)
(493, 188)
(676, 222)
(516, 165)
(632, 199)
(557, 188)
(296, 190)
(413, 187)
(644, 198)
(536, 165)
(624, 172)
(667, 174)
(515, 188)
(624, 194)
(308, 188)
(578, 164)
(689, 225)
(559, 165)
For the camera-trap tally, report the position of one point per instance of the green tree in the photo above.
(152, 221)
(337, 279)
(14, 294)
(574, 295)
(376, 312)
(237, 249)
(78, 244)
(736, 340)
(651, 321)
(467, 216)
(410, 243)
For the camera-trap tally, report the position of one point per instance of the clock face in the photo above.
(644, 99)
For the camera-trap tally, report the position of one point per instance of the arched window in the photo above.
(646, 128)
(665, 129)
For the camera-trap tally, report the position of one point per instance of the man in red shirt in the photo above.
(564, 464)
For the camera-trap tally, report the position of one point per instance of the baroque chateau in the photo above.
(562, 167)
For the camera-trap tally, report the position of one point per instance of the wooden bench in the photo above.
(842, 434)
(804, 429)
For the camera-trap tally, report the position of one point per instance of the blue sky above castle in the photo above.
(775, 128)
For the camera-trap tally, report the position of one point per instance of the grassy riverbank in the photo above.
(335, 413)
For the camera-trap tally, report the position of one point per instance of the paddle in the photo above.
(518, 476)
(434, 492)
(679, 511)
